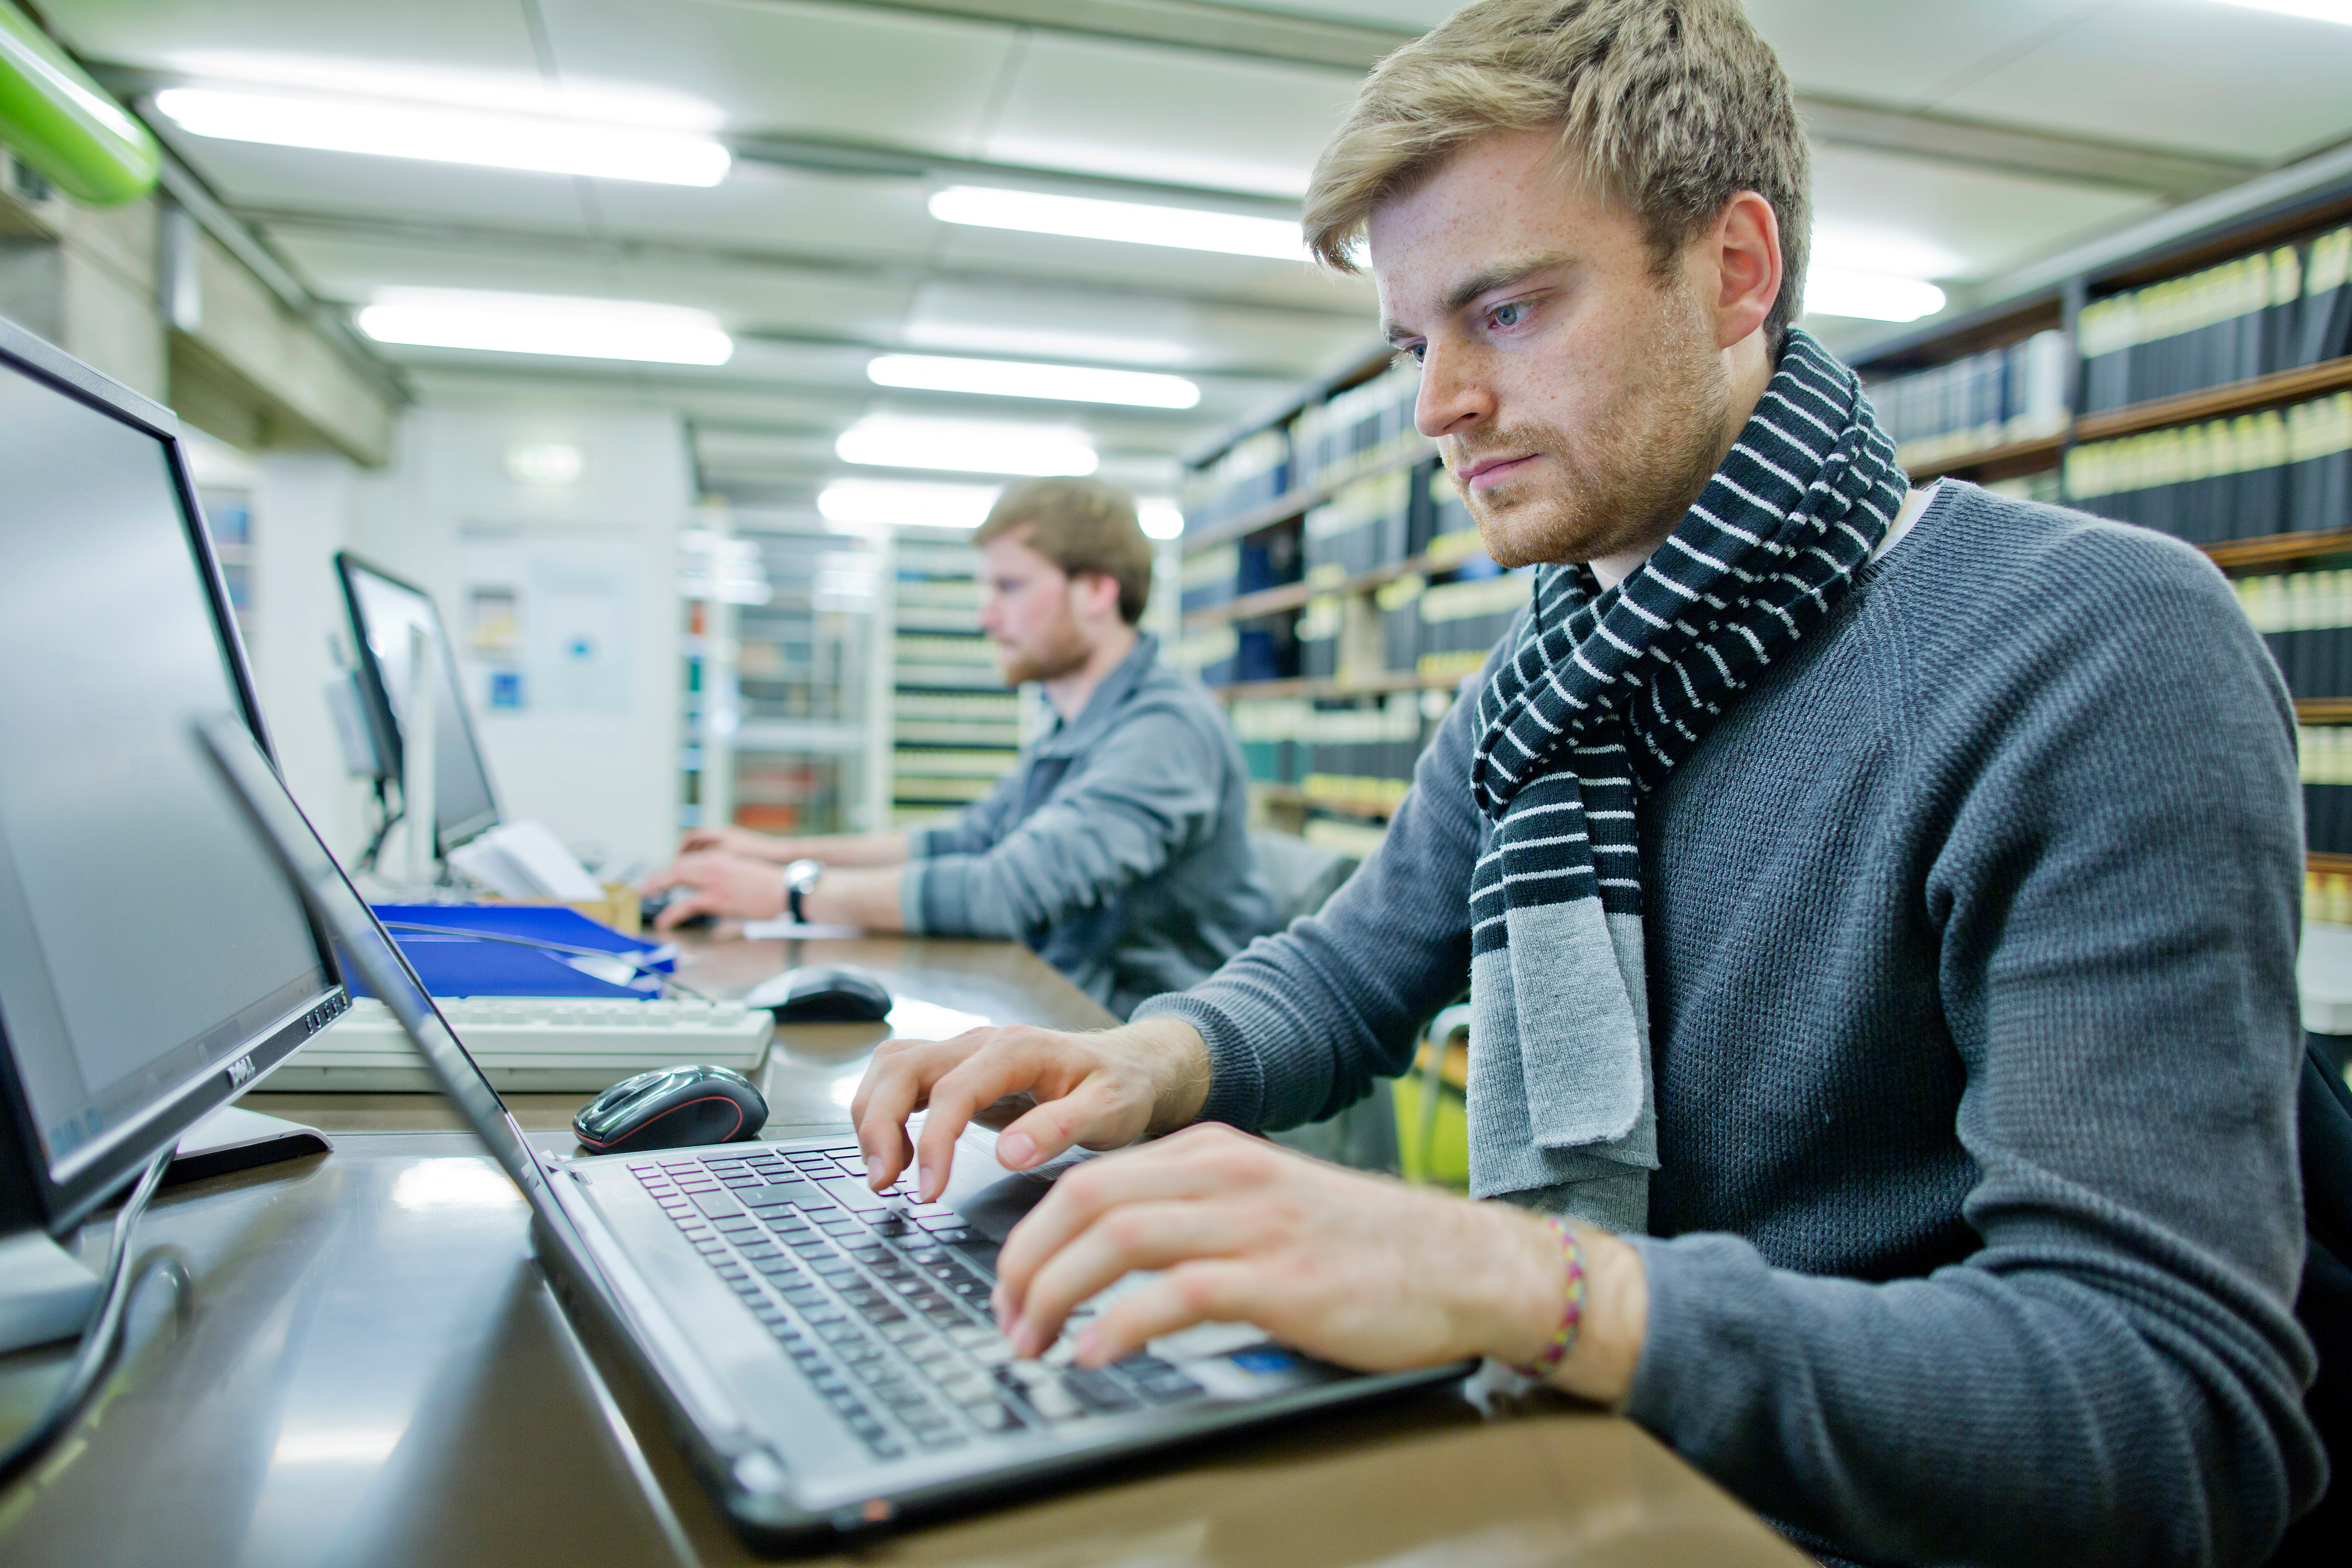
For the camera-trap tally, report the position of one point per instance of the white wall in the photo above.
(593, 750)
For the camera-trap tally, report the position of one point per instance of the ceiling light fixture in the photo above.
(537, 325)
(1160, 519)
(1055, 383)
(540, 143)
(1134, 223)
(2310, 10)
(891, 441)
(1870, 296)
(897, 503)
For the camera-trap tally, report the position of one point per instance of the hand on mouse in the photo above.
(1095, 1090)
(722, 884)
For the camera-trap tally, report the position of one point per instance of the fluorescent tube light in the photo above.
(1057, 383)
(536, 324)
(897, 503)
(965, 446)
(2311, 10)
(1160, 519)
(540, 143)
(1833, 291)
(1135, 222)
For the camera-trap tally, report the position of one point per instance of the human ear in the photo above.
(1744, 247)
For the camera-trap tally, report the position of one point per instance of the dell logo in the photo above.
(240, 1072)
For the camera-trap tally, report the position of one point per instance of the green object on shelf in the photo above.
(55, 118)
(1446, 1161)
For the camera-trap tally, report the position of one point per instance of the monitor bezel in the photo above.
(386, 723)
(30, 1196)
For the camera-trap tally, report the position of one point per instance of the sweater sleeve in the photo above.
(2112, 887)
(1150, 789)
(1298, 1025)
(977, 827)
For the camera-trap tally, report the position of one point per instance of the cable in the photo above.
(664, 975)
(389, 820)
(103, 1333)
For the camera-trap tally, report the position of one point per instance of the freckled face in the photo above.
(1578, 399)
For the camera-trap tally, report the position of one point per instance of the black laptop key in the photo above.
(1170, 1387)
(1100, 1390)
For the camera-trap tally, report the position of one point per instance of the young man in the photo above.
(1880, 908)
(1117, 847)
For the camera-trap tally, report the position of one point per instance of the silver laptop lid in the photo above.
(294, 845)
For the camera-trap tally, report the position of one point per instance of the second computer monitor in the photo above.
(384, 609)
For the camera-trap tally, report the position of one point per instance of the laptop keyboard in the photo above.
(882, 1301)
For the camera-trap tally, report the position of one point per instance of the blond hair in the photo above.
(1668, 107)
(1080, 525)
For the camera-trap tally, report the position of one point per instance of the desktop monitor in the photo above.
(152, 960)
(383, 608)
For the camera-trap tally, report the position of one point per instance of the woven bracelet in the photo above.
(1571, 1314)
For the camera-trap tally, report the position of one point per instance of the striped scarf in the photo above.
(1604, 692)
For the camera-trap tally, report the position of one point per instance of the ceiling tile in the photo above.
(1167, 114)
(2190, 74)
(478, 35)
(759, 206)
(878, 76)
(249, 174)
(1880, 212)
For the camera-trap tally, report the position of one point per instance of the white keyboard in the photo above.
(527, 1044)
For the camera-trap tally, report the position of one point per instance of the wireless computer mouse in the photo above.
(672, 1107)
(650, 907)
(838, 995)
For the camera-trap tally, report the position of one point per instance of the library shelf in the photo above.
(2013, 457)
(1364, 686)
(1293, 795)
(2323, 709)
(2320, 863)
(1292, 596)
(2217, 402)
(2004, 461)
(2270, 549)
(1294, 503)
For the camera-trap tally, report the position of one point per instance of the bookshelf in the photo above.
(1335, 595)
(2210, 396)
(954, 728)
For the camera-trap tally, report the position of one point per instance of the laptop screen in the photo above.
(295, 846)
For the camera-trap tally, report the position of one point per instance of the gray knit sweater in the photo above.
(1971, 934)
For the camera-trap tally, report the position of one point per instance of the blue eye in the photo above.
(1506, 315)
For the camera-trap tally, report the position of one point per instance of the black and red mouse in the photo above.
(672, 1107)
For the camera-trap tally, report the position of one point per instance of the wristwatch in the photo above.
(800, 881)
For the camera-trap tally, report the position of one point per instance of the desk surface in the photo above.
(374, 1372)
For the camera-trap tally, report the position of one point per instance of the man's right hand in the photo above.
(1097, 1090)
(729, 839)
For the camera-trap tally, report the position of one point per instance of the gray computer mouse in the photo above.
(828, 996)
(672, 1107)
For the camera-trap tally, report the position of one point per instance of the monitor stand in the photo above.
(46, 1292)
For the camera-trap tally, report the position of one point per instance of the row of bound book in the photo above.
(2328, 818)
(2255, 315)
(2278, 471)
(2013, 393)
(1340, 753)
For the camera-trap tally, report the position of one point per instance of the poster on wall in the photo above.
(577, 635)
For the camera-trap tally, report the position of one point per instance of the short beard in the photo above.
(1065, 655)
(1629, 475)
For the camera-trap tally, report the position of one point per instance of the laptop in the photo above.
(825, 1354)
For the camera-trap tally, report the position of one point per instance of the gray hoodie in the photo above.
(1119, 848)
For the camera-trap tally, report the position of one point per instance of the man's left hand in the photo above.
(1357, 1269)
(728, 886)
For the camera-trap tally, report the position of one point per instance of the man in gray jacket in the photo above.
(1117, 847)
(1879, 907)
